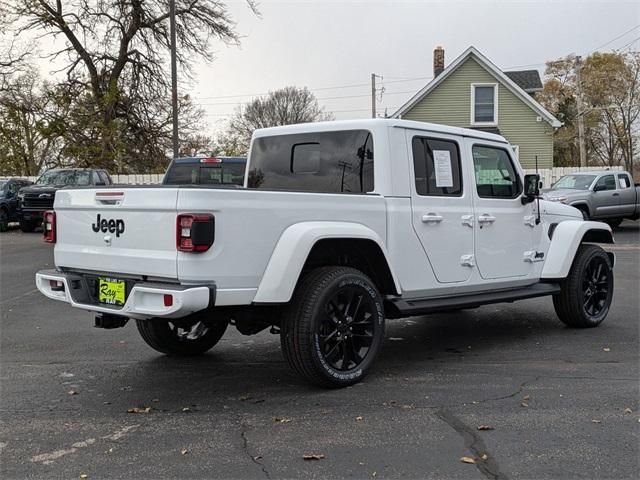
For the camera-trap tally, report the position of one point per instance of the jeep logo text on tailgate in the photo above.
(111, 226)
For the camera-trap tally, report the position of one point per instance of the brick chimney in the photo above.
(438, 61)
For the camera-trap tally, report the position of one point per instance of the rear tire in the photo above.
(27, 226)
(188, 336)
(587, 292)
(333, 329)
(613, 222)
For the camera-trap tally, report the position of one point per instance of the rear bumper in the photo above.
(145, 299)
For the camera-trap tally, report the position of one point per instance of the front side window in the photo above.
(324, 162)
(484, 103)
(496, 177)
(608, 182)
(436, 165)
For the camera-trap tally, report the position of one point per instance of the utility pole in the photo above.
(581, 140)
(174, 77)
(373, 93)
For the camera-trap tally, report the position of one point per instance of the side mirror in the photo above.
(531, 188)
(599, 188)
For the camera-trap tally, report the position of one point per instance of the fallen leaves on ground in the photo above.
(282, 420)
(313, 456)
(606, 349)
(468, 460)
(628, 410)
(184, 451)
(485, 427)
(358, 418)
(83, 476)
(524, 404)
(596, 421)
(139, 410)
(484, 456)
(186, 409)
(72, 392)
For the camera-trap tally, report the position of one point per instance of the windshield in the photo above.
(574, 182)
(65, 177)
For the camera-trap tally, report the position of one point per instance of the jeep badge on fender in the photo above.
(111, 226)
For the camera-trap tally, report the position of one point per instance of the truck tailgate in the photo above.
(123, 230)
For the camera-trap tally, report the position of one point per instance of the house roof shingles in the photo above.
(528, 80)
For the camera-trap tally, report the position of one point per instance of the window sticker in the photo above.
(442, 166)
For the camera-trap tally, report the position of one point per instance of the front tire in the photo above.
(4, 220)
(586, 294)
(333, 329)
(188, 336)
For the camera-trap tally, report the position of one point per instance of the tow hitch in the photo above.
(104, 320)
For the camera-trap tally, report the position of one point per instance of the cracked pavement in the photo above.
(563, 403)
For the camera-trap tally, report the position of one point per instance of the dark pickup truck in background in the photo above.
(9, 200)
(35, 199)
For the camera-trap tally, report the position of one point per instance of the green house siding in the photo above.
(450, 103)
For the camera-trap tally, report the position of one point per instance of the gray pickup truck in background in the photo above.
(609, 196)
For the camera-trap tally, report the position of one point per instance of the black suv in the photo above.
(9, 200)
(34, 200)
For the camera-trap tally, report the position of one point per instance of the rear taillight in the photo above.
(49, 226)
(194, 232)
(210, 160)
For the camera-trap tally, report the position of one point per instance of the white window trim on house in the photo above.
(495, 105)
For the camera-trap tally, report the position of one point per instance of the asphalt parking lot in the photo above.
(561, 403)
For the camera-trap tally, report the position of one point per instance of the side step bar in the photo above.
(399, 307)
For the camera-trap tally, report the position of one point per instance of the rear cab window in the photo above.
(437, 167)
(321, 162)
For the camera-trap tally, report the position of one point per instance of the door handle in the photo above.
(431, 218)
(485, 218)
(616, 194)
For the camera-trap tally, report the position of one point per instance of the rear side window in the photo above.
(325, 162)
(436, 167)
(623, 180)
(496, 177)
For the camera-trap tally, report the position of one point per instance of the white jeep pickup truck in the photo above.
(340, 227)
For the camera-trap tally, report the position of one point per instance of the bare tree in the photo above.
(30, 139)
(286, 106)
(115, 47)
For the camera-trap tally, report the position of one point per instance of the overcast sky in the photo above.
(322, 44)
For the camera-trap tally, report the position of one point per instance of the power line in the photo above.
(613, 40)
(318, 98)
(618, 50)
(329, 111)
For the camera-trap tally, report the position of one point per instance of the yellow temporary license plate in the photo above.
(111, 291)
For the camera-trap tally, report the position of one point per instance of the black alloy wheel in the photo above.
(587, 292)
(347, 330)
(596, 286)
